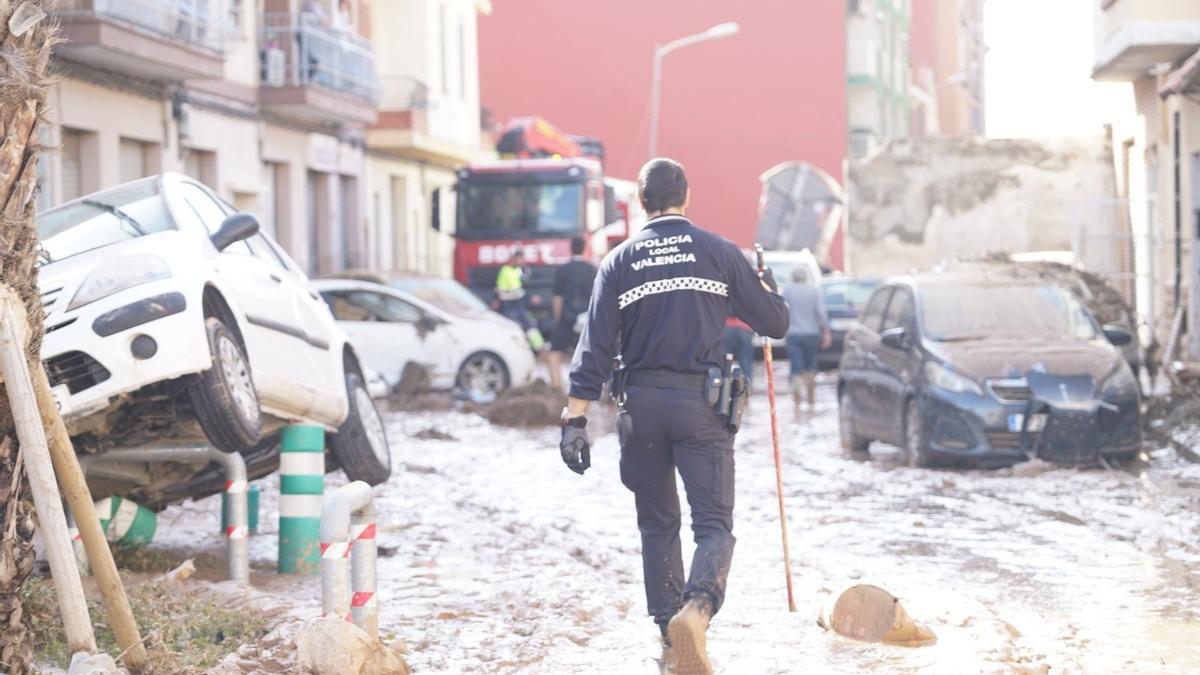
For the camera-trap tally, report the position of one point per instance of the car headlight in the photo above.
(117, 275)
(943, 378)
(1119, 383)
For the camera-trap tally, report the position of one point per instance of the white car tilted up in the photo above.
(165, 307)
(453, 336)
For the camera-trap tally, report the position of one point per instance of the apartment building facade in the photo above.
(877, 73)
(271, 103)
(913, 68)
(1155, 46)
(946, 52)
(428, 125)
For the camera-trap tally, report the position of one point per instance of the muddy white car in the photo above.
(452, 336)
(167, 310)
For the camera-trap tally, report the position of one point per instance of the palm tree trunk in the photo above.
(26, 39)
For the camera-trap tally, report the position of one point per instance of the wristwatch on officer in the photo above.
(569, 420)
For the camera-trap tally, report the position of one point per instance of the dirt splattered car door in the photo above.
(895, 365)
(860, 363)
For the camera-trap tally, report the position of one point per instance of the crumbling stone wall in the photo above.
(924, 200)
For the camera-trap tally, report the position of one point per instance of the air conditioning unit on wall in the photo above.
(274, 62)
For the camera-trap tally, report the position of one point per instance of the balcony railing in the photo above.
(198, 23)
(298, 51)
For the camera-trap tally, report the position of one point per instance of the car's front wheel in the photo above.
(851, 441)
(916, 441)
(361, 444)
(483, 374)
(224, 396)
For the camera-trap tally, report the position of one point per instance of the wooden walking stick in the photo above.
(768, 363)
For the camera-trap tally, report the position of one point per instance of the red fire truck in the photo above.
(546, 193)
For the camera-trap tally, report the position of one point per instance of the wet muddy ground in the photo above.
(499, 559)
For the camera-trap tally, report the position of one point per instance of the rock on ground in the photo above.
(333, 646)
(94, 664)
(871, 614)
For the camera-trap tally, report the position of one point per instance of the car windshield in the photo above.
(108, 217)
(851, 293)
(965, 312)
(445, 294)
(521, 207)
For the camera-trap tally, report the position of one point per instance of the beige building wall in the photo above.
(304, 172)
(958, 74)
(428, 127)
(101, 117)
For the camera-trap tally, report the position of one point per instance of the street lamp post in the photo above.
(718, 31)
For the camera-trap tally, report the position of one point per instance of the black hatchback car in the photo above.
(963, 367)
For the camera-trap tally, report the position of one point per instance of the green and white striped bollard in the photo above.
(126, 522)
(301, 484)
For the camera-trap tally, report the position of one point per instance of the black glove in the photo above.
(768, 278)
(575, 449)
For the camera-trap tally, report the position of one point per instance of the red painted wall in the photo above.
(731, 108)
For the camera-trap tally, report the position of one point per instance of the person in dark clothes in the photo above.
(739, 341)
(659, 303)
(572, 292)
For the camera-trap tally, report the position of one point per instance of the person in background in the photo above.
(510, 292)
(807, 331)
(572, 293)
(738, 340)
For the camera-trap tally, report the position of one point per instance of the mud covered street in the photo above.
(498, 559)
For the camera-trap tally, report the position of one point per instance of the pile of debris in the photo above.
(533, 405)
(1104, 302)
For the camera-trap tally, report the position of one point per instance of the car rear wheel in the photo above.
(483, 374)
(224, 396)
(361, 445)
(916, 443)
(851, 441)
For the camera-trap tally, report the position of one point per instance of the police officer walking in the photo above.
(658, 307)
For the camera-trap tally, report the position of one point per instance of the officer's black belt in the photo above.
(667, 379)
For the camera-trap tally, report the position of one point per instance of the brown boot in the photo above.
(810, 383)
(686, 632)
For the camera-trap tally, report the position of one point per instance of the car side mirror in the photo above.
(896, 338)
(235, 228)
(1118, 336)
(427, 323)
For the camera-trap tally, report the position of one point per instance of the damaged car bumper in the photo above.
(111, 347)
(1066, 420)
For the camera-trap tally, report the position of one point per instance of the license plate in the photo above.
(840, 323)
(1016, 422)
(62, 399)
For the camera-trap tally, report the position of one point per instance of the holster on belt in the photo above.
(620, 381)
(734, 393)
(739, 397)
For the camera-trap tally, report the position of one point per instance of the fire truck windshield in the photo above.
(509, 208)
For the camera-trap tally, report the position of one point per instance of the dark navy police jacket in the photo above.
(664, 295)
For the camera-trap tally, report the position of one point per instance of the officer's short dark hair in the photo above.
(577, 244)
(662, 185)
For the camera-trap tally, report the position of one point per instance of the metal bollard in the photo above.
(348, 556)
(301, 483)
(237, 530)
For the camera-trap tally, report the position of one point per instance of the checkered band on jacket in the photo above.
(675, 284)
